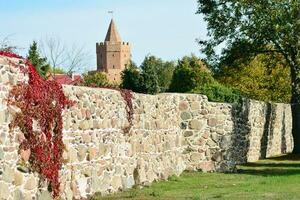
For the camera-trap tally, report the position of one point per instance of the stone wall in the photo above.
(171, 133)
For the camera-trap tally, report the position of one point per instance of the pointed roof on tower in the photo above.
(112, 33)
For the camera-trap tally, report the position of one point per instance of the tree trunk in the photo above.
(296, 127)
(295, 105)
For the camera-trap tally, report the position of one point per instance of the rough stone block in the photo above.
(30, 183)
(4, 191)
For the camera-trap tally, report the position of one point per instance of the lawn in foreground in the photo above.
(276, 178)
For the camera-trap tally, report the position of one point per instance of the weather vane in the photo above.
(112, 13)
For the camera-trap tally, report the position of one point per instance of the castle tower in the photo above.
(113, 55)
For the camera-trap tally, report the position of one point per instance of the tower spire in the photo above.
(112, 33)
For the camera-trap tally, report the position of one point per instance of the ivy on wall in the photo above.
(40, 103)
(128, 97)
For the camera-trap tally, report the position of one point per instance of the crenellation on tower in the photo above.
(113, 55)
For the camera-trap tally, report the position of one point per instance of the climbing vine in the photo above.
(128, 96)
(40, 103)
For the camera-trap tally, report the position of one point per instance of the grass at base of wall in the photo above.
(276, 178)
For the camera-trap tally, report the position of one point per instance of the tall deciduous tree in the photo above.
(59, 55)
(265, 78)
(38, 62)
(150, 76)
(249, 28)
(189, 74)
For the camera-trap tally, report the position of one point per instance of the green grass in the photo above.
(276, 178)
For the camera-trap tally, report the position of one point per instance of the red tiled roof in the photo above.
(66, 79)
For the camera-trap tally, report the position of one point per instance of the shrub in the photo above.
(190, 74)
(219, 93)
(97, 79)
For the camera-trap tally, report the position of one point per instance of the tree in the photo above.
(165, 75)
(97, 79)
(5, 45)
(264, 78)
(38, 62)
(60, 56)
(149, 75)
(57, 70)
(132, 79)
(249, 28)
(189, 74)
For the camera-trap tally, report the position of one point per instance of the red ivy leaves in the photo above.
(128, 96)
(40, 101)
(9, 54)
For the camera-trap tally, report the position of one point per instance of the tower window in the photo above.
(113, 55)
(113, 66)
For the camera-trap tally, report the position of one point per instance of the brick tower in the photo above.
(113, 55)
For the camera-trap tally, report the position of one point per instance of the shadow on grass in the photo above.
(288, 157)
(279, 166)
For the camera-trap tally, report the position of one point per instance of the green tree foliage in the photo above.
(38, 62)
(264, 78)
(164, 71)
(189, 74)
(249, 28)
(153, 76)
(57, 70)
(150, 76)
(97, 79)
(192, 75)
(217, 92)
(131, 78)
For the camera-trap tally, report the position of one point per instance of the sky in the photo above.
(165, 28)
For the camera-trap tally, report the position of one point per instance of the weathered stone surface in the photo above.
(185, 116)
(128, 182)
(195, 106)
(30, 183)
(1, 153)
(196, 157)
(183, 105)
(72, 155)
(18, 195)
(84, 125)
(217, 156)
(86, 138)
(18, 178)
(196, 124)
(4, 191)
(207, 166)
(82, 151)
(8, 174)
(116, 182)
(25, 154)
(2, 117)
(212, 122)
(170, 133)
(92, 153)
(188, 133)
(45, 195)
